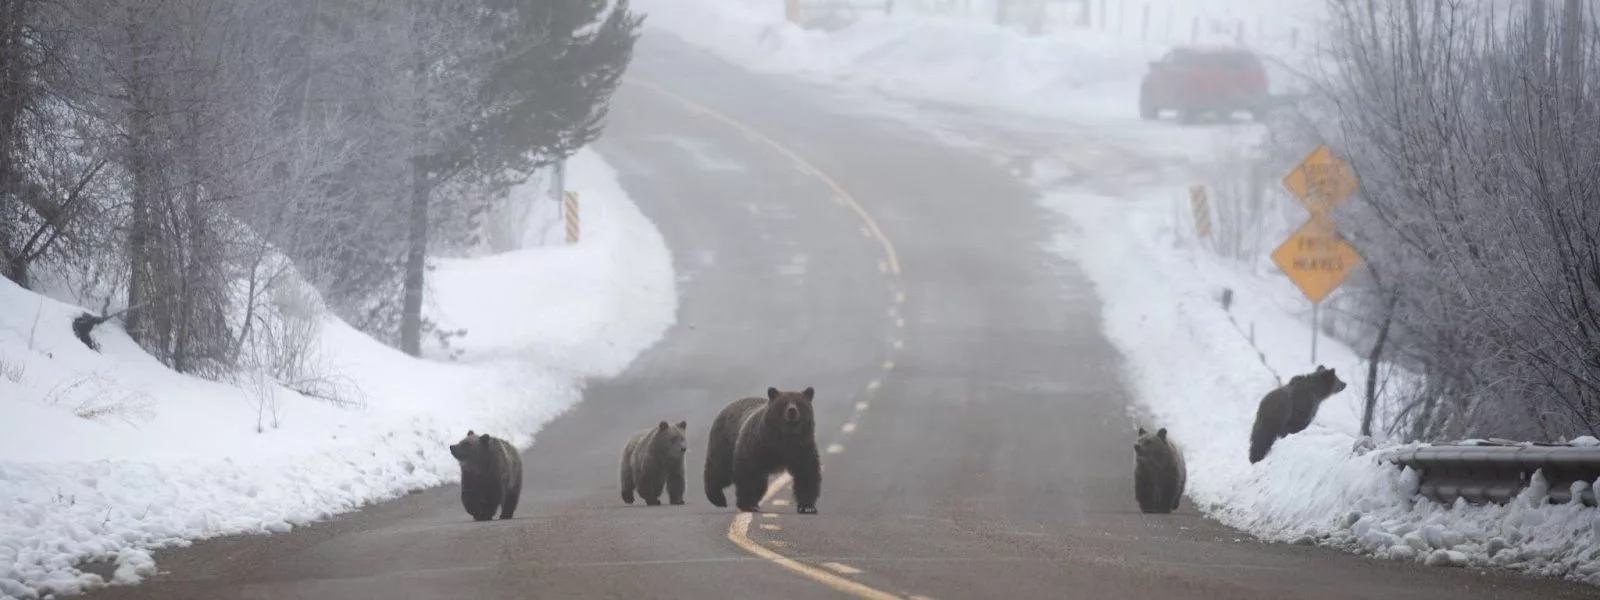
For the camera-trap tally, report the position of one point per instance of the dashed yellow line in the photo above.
(841, 568)
(899, 344)
(738, 530)
(848, 428)
(874, 384)
(739, 534)
(888, 365)
(805, 166)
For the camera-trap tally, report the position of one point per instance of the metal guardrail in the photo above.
(1497, 473)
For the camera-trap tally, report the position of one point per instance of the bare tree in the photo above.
(1473, 140)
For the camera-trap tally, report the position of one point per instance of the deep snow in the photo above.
(1160, 291)
(108, 455)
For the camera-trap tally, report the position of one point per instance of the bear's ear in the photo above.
(1141, 431)
(469, 433)
(1162, 433)
(663, 426)
(1321, 368)
(772, 393)
(683, 425)
(485, 439)
(808, 393)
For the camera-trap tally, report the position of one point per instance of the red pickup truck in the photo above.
(1195, 80)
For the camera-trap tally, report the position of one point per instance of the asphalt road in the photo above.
(982, 445)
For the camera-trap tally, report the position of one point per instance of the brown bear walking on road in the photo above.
(1159, 472)
(754, 438)
(1289, 409)
(491, 475)
(653, 459)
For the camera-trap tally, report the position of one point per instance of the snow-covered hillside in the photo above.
(109, 454)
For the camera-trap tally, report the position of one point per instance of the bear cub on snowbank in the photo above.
(1159, 473)
(1289, 409)
(491, 475)
(654, 458)
(754, 438)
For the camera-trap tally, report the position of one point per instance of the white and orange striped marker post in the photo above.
(570, 208)
(1202, 210)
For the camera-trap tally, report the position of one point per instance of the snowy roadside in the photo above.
(1312, 488)
(107, 456)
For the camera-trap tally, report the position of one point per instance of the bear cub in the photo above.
(653, 458)
(1159, 473)
(754, 438)
(1289, 409)
(491, 475)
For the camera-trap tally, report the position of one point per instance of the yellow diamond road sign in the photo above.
(1316, 258)
(1321, 181)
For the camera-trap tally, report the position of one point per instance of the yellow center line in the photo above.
(739, 529)
(806, 166)
(841, 568)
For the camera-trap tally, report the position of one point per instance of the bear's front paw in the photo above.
(678, 501)
(750, 508)
(807, 510)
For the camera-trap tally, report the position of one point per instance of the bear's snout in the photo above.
(791, 414)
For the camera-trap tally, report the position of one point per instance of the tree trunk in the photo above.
(139, 165)
(13, 95)
(1537, 37)
(1572, 55)
(1372, 370)
(416, 262)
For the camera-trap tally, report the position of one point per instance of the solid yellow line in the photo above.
(806, 166)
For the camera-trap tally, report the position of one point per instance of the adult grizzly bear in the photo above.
(1290, 409)
(1159, 472)
(653, 458)
(754, 438)
(491, 475)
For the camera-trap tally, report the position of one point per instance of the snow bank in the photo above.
(109, 455)
(1312, 488)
